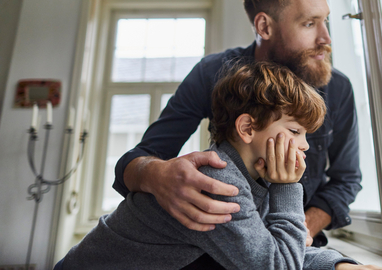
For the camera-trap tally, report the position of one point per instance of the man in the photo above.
(290, 32)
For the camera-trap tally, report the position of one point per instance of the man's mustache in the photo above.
(319, 50)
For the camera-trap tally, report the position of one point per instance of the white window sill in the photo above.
(361, 255)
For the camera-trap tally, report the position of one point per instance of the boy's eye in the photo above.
(294, 131)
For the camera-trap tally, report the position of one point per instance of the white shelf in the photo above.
(361, 255)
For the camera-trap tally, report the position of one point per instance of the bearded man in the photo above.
(293, 33)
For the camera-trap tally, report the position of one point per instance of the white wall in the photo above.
(44, 48)
(236, 30)
(9, 18)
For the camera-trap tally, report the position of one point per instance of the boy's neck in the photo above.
(249, 158)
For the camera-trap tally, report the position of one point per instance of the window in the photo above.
(348, 57)
(349, 38)
(149, 55)
(157, 49)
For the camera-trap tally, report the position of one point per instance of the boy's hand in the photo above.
(278, 168)
(349, 266)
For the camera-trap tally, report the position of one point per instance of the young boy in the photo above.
(252, 105)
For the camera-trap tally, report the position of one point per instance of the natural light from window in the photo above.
(157, 49)
(348, 57)
(147, 51)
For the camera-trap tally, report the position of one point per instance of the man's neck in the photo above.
(261, 50)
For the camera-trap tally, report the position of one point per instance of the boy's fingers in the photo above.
(291, 164)
(280, 156)
(301, 165)
(271, 159)
(260, 167)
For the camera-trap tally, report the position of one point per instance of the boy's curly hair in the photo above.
(264, 90)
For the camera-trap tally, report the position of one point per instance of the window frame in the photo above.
(366, 228)
(92, 185)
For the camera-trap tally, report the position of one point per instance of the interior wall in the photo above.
(9, 18)
(236, 28)
(44, 48)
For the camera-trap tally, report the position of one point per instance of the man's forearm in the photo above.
(136, 171)
(316, 220)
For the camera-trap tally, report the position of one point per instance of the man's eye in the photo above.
(309, 24)
(294, 131)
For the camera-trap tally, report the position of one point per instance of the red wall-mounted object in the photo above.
(40, 91)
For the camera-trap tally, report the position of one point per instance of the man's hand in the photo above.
(309, 238)
(317, 220)
(278, 168)
(349, 266)
(177, 185)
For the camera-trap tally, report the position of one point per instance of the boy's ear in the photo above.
(243, 125)
(264, 24)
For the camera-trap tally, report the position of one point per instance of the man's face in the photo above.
(301, 41)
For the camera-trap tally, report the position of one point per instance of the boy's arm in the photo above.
(317, 258)
(246, 242)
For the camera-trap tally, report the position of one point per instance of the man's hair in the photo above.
(271, 7)
(266, 91)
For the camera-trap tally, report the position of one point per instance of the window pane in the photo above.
(157, 50)
(348, 57)
(129, 118)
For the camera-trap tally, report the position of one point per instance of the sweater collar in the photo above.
(259, 187)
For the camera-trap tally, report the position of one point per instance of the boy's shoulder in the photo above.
(230, 174)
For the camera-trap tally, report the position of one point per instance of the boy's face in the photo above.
(302, 40)
(286, 125)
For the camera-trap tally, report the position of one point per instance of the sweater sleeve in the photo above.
(316, 258)
(247, 242)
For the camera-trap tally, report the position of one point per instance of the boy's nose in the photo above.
(304, 146)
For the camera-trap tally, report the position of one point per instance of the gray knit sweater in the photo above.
(267, 233)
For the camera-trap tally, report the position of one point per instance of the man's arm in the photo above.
(316, 220)
(178, 188)
(344, 174)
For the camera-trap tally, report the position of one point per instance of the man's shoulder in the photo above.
(217, 59)
(339, 79)
(338, 88)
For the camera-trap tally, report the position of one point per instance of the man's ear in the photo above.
(243, 125)
(264, 24)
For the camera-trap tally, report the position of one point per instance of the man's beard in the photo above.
(298, 62)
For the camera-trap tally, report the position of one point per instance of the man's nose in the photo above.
(323, 35)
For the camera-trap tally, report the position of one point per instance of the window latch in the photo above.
(352, 16)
